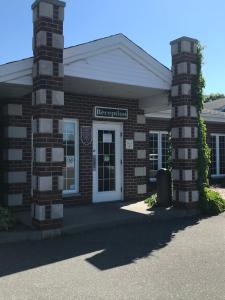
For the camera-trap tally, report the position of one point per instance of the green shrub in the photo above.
(152, 200)
(211, 202)
(7, 220)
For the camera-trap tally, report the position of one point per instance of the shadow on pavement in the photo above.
(119, 246)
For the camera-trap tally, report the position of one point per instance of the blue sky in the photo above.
(151, 24)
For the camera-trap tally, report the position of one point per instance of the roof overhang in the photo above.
(113, 67)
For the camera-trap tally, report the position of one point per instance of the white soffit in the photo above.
(112, 59)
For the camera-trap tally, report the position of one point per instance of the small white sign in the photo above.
(107, 138)
(129, 144)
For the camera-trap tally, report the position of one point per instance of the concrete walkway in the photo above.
(90, 217)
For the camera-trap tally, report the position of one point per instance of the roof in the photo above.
(151, 71)
(211, 112)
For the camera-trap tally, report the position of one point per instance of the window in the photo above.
(158, 151)
(71, 153)
(217, 143)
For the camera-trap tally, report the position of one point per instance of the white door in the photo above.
(107, 162)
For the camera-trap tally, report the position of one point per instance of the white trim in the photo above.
(159, 159)
(121, 185)
(217, 175)
(76, 160)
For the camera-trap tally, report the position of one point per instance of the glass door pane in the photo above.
(154, 152)
(106, 160)
(164, 147)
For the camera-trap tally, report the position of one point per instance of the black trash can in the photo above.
(164, 190)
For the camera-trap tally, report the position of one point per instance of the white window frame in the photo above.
(159, 133)
(76, 160)
(217, 175)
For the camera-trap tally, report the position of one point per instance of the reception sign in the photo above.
(111, 113)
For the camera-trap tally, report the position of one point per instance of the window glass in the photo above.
(158, 144)
(70, 140)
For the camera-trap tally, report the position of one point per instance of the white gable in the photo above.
(115, 66)
(113, 59)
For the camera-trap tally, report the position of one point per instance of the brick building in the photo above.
(90, 123)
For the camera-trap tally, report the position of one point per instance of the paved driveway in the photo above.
(164, 260)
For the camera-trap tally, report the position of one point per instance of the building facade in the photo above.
(90, 123)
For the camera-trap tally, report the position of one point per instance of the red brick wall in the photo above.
(82, 108)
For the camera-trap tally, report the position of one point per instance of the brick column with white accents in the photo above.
(184, 127)
(48, 102)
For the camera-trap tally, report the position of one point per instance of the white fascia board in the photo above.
(19, 72)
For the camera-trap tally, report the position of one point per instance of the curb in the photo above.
(35, 235)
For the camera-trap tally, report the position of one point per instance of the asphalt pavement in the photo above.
(173, 259)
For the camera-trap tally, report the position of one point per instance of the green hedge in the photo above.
(7, 219)
(152, 200)
(213, 203)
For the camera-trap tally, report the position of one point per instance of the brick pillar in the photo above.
(184, 130)
(48, 102)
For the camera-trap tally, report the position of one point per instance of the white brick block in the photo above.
(140, 171)
(186, 132)
(16, 177)
(194, 153)
(184, 196)
(61, 70)
(183, 153)
(193, 69)
(182, 111)
(40, 155)
(46, 10)
(186, 46)
(140, 137)
(174, 49)
(195, 196)
(175, 90)
(13, 110)
(39, 212)
(141, 154)
(34, 126)
(187, 175)
(15, 132)
(175, 174)
(56, 211)
(182, 68)
(13, 154)
(57, 41)
(41, 96)
(186, 89)
(142, 189)
(193, 111)
(45, 67)
(57, 154)
(45, 183)
(14, 199)
(60, 183)
(45, 125)
(61, 13)
(34, 70)
(57, 97)
(41, 38)
(175, 133)
(34, 182)
(60, 126)
(34, 14)
(141, 119)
